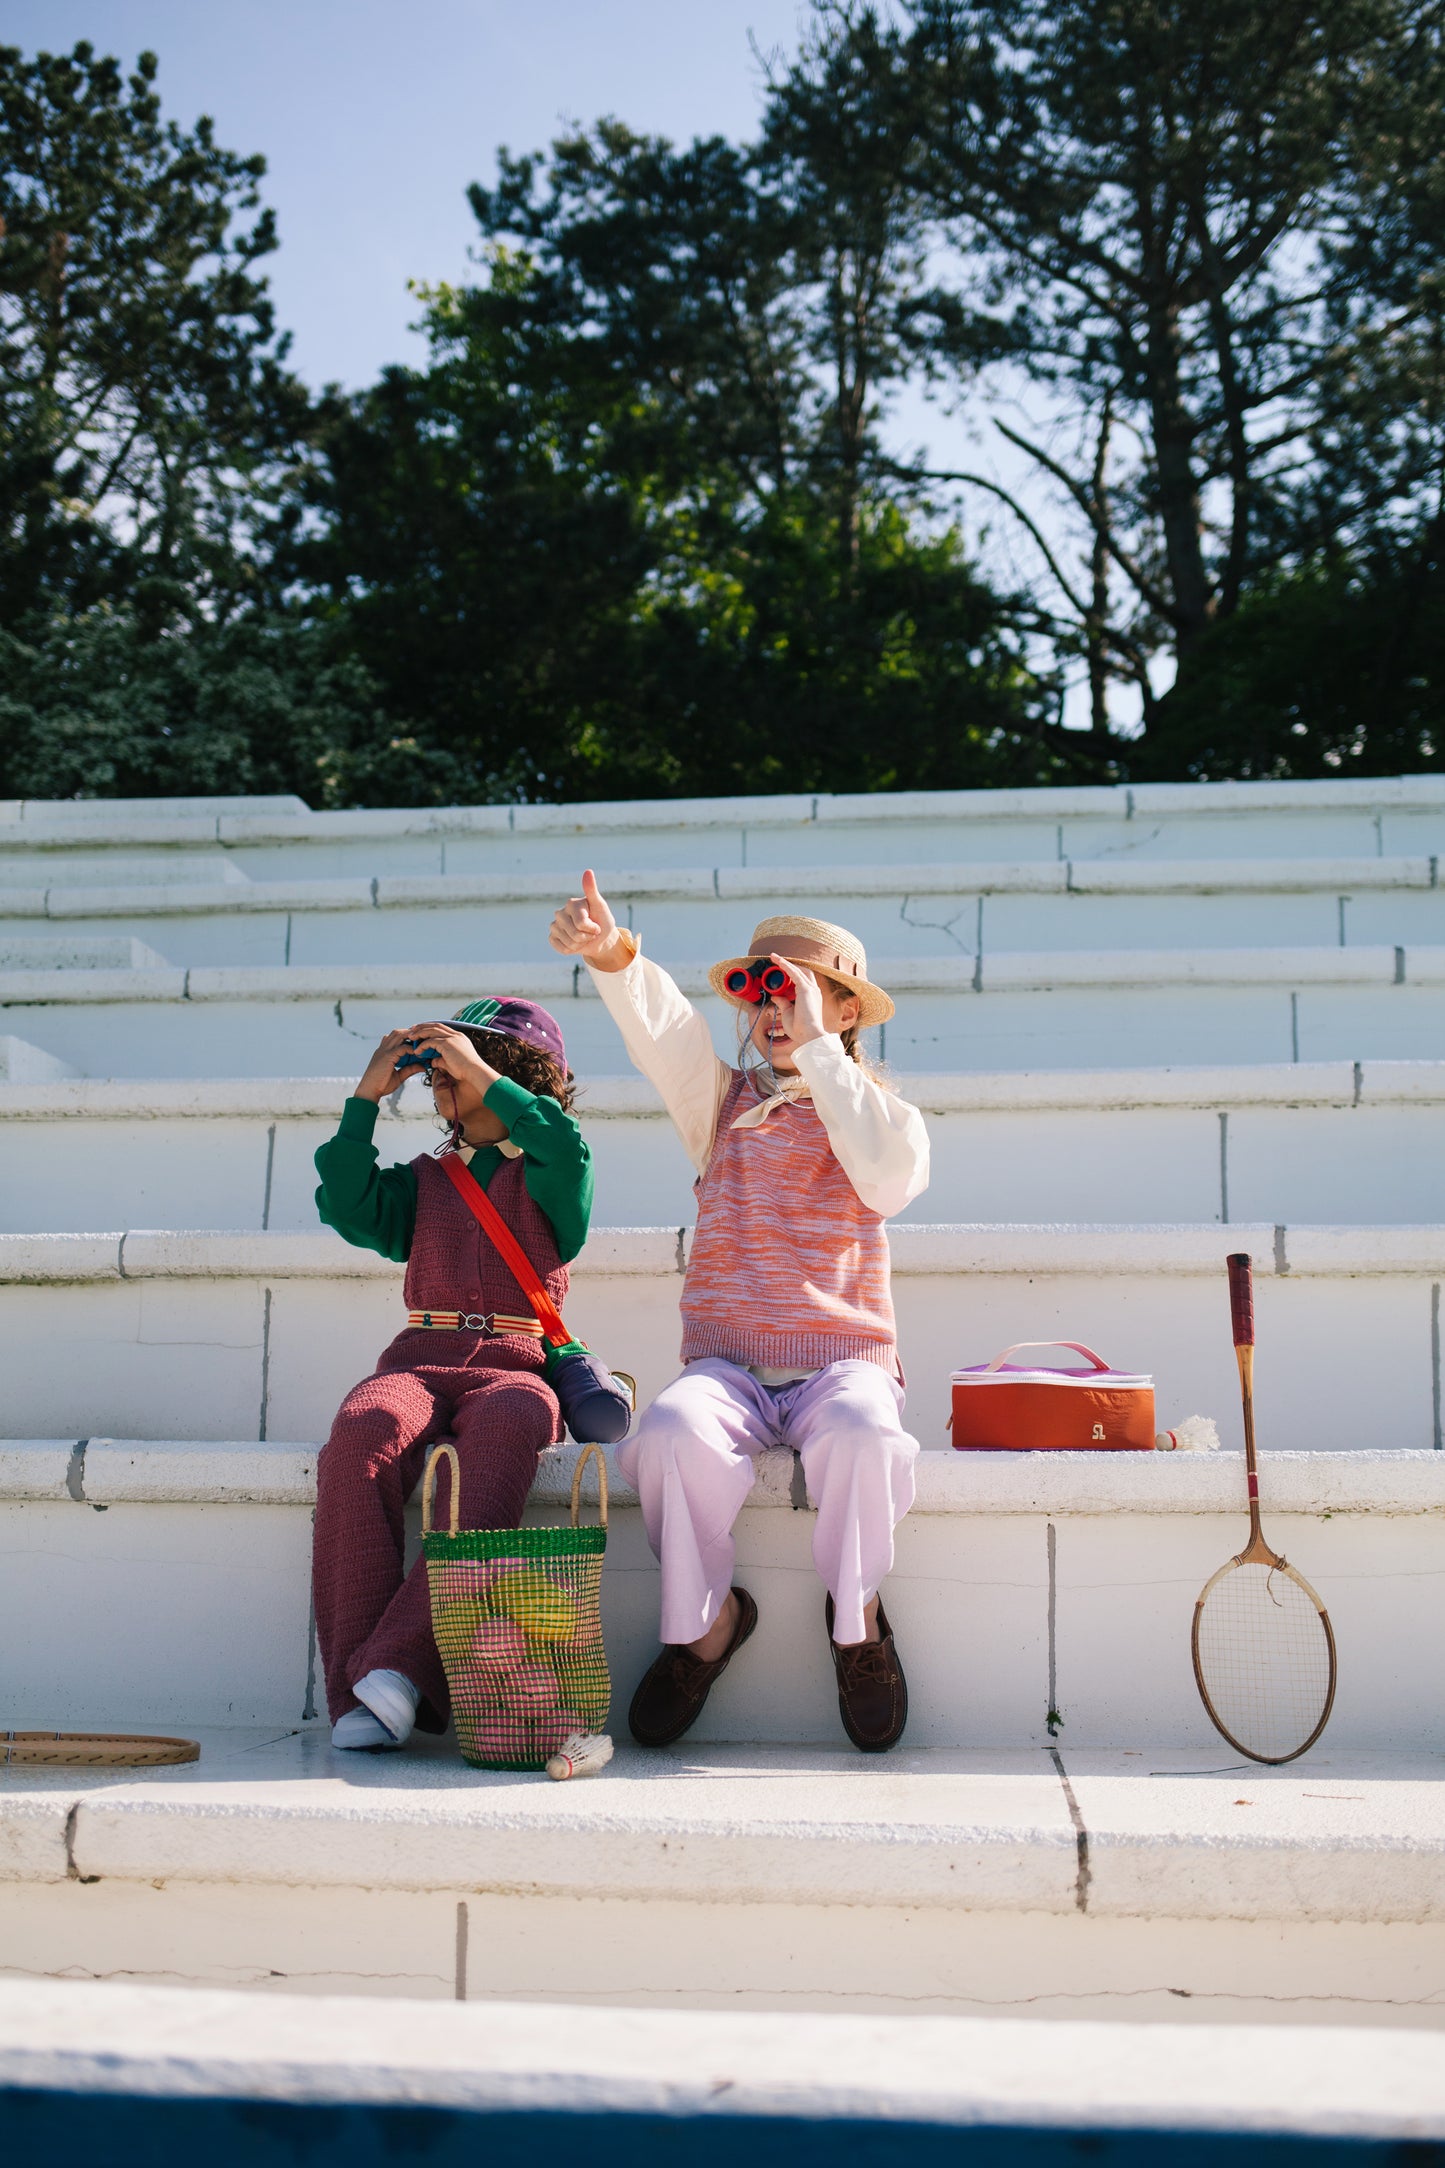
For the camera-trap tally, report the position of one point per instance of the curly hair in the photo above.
(525, 1065)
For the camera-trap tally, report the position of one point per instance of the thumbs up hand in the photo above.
(585, 926)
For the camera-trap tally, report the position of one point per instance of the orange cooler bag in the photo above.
(1004, 1407)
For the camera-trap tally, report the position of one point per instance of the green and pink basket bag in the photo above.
(518, 1625)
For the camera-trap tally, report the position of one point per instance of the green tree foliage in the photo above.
(1322, 670)
(149, 431)
(94, 705)
(629, 533)
(144, 398)
(640, 524)
(1212, 237)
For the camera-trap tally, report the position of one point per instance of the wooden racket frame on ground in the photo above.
(92, 1750)
(1256, 1552)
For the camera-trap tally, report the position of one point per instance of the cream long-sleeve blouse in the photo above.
(880, 1141)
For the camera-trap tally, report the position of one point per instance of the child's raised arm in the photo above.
(370, 1206)
(584, 926)
(663, 1033)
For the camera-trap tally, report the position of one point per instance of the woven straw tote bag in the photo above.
(518, 1625)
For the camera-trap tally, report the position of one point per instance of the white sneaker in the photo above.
(364, 1733)
(392, 1700)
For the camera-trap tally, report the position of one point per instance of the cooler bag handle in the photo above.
(1077, 1346)
(524, 1272)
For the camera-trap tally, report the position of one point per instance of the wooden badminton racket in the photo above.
(91, 1750)
(1263, 1646)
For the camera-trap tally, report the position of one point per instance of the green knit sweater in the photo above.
(375, 1207)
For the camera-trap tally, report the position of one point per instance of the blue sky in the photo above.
(373, 118)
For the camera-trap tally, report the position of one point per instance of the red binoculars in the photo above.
(759, 982)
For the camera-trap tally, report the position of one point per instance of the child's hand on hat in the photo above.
(586, 927)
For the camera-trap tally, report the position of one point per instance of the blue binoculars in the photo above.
(415, 1060)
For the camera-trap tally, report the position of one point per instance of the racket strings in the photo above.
(1264, 1659)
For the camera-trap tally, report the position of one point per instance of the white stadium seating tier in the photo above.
(1147, 1026)
(994, 2077)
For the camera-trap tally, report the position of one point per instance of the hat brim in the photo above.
(874, 1006)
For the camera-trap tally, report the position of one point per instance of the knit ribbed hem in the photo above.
(784, 1350)
(358, 1120)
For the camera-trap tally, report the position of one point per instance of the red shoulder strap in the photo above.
(480, 1205)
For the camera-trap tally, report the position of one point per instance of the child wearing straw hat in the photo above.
(788, 1331)
(469, 1366)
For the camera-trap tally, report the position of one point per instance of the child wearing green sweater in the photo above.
(471, 1364)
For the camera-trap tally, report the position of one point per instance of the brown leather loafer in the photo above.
(671, 1695)
(872, 1691)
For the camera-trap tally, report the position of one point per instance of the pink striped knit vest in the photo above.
(788, 1267)
(453, 1265)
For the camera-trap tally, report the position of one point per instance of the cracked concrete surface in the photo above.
(957, 1888)
(973, 908)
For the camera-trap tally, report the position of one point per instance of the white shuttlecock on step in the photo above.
(581, 1755)
(1196, 1434)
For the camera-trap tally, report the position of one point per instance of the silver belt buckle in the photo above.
(473, 1323)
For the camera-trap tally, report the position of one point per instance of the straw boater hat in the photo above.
(830, 950)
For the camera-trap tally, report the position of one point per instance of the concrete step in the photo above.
(1372, 817)
(1330, 1142)
(339, 2078)
(1034, 1596)
(1032, 1010)
(233, 1334)
(94, 871)
(75, 950)
(907, 911)
(1057, 1883)
(22, 1066)
(104, 813)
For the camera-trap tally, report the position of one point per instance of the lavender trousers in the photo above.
(691, 1459)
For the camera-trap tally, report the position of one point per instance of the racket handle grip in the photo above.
(1241, 1298)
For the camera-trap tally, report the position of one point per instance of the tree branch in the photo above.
(1132, 570)
(995, 489)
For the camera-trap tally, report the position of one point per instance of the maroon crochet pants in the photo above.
(370, 1614)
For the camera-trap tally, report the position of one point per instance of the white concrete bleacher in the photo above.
(935, 2085)
(1036, 1598)
(1309, 1143)
(264, 1332)
(1147, 1027)
(1006, 1883)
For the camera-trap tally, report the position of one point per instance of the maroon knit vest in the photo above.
(453, 1265)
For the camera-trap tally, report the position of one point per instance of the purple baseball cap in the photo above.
(516, 1019)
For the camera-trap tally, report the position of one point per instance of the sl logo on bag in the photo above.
(1097, 1431)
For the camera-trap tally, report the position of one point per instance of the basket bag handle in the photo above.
(524, 1272)
(1077, 1346)
(442, 1452)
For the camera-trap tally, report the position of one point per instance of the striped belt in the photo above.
(497, 1324)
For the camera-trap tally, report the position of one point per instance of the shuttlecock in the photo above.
(1196, 1434)
(580, 1755)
